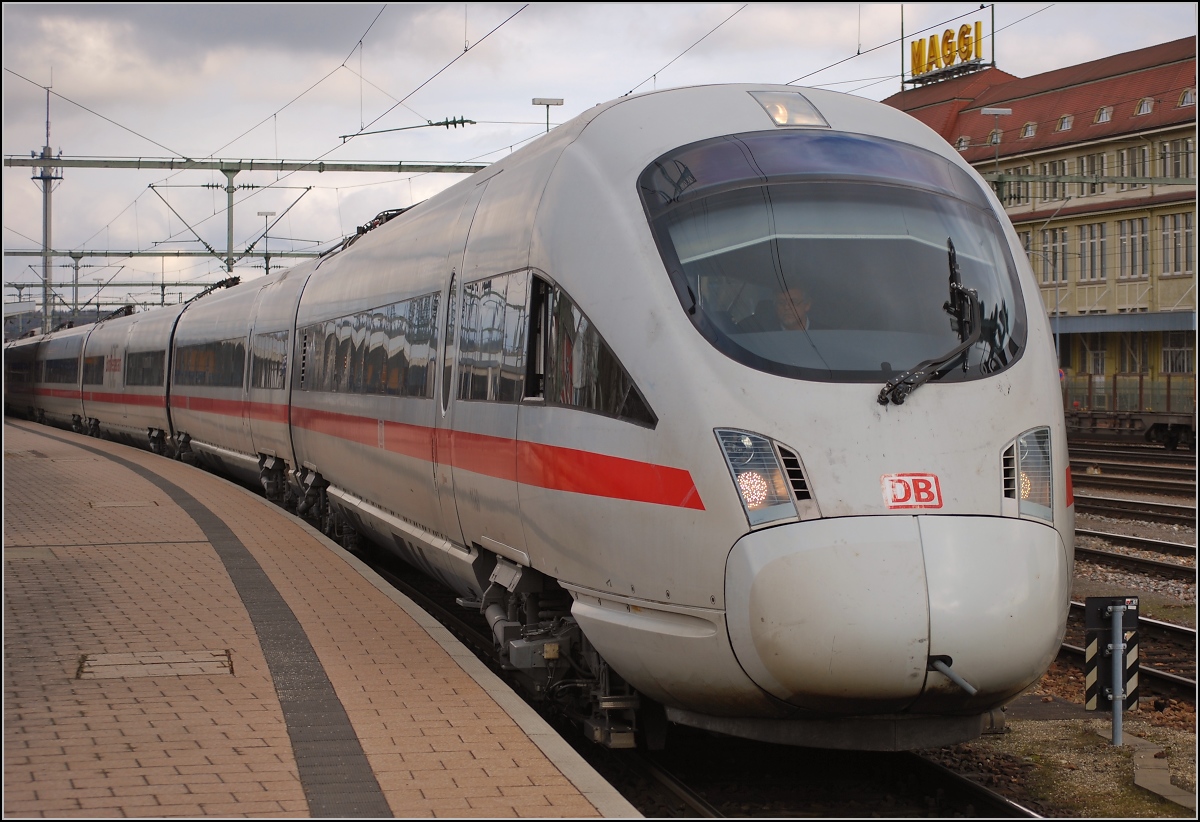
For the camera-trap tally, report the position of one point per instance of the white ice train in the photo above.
(735, 401)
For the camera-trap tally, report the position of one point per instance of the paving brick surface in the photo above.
(99, 561)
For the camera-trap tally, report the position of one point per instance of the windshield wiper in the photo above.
(966, 319)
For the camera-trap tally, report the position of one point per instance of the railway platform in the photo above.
(176, 646)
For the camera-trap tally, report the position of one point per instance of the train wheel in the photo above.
(652, 724)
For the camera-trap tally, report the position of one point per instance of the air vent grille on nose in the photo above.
(1008, 465)
(795, 474)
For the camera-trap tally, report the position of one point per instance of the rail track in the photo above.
(1142, 565)
(1110, 465)
(1136, 484)
(1177, 549)
(754, 779)
(1167, 654)
(1148, 453)
(1136, 509)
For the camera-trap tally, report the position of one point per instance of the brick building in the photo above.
(1096, 167)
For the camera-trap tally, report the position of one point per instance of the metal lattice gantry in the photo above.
(48, 164)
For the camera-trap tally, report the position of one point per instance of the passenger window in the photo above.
(420, 345)
(514, 338)
(147, 368)
(268, 360)
(219, 364)
(491, 364)
(448, 362)
(387, 350)
(375, 358)
(572, 365)
(62, 370)
(93, 370)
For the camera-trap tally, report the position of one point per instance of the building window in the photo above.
(1091, 165)
(1133, 248)
(1175, 157)
(994, 137)
(1091, 253)
(1133, 162)
(1176, 243)
(1053, 190)
(1135, 353)
(1092, 359)
(1054, 255)
(1029, 129)
(1104, 114)
(1144, 106)
(1017, 191)
(962, 143)
(1065, 122)
(1178, 352)
(1188, 98)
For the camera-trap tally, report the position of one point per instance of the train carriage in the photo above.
(125, 366)
(60, 372)
(732, 405)
(20, 376)
(210, 406)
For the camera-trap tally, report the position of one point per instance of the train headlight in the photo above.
(1034, 475)
(789, 108)
(756, 473)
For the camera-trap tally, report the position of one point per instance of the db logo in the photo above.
(911, 491)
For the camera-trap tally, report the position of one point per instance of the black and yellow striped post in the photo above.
(1098, 678)
(1111, 626)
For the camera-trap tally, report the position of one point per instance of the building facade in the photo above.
(1096, 167)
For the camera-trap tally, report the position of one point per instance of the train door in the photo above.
(268, 382)
(443, 467)
(122, 377)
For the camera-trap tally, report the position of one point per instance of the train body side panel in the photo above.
(20, 363)
(58, 367)
(208, 379)
(272, 347)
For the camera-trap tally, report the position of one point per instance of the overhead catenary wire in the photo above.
(685, 51)
(334, 70)
(860, 52)
(290, 102)
(443, 68)
(320, 157)
(511, 146)
(325, 154)
(98, 114)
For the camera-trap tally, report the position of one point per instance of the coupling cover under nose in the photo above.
(832, 615)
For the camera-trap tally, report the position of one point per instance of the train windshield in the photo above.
(823, 256)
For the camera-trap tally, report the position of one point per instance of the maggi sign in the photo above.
(943, 52)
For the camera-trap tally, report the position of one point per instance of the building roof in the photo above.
(1162, 73)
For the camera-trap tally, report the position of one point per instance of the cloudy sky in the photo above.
(286, 81)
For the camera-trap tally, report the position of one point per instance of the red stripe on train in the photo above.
(155, 400)
(266, 411)
(529, 463)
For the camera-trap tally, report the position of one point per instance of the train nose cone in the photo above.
(999, 590)
(832, 614)
(843, 614)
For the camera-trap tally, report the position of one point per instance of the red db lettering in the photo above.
(911, 491)
(923, 490)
